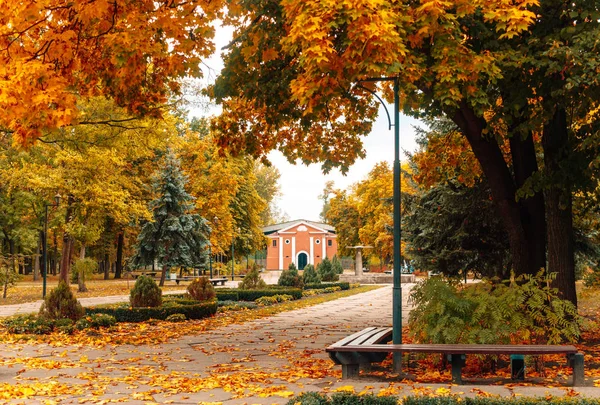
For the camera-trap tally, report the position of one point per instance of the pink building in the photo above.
(300, 242)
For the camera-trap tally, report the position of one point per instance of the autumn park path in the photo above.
(263, 361)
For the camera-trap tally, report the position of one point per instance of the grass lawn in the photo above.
(27, 290)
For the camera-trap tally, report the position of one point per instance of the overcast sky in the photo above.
(301, 185)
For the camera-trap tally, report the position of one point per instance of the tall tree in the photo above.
(52, 52)
(174, 237)
(497, 70)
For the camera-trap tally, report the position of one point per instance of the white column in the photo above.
(311, 259)
(324, 255)
(280, 253)
(294, 250)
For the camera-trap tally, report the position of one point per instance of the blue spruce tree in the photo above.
(175, 237)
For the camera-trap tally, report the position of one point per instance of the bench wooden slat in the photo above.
(460, 349)
(351, 338)
(383, 336)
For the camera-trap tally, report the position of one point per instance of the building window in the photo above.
(318, 241)
(287, 241)
(274, 243)
(329, 242)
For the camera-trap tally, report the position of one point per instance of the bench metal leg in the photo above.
(350, 371)
(576, 361)
(457, 361)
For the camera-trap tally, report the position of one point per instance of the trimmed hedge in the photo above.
(344, 398)
(344, 285)
(235, 294)
(195, 310)
(455, 400)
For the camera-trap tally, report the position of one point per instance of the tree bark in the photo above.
(81, 274)
(532, 209)
(106, 266)
(559, 209)
(501, 184)
(119, 266)
(163, 275)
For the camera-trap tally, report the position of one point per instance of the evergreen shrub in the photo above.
(176, 318)
(290, 277)
(344, 285)
(95, 321)
(145, 293)
(28, 324)
(310, 276)
(342, 398)
(234, 294)
(326, 271)
(201, 289)
(252, 280)
(337, 265)
(227, 294)
(61, 303)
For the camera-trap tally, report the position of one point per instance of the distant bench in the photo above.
(214, 281)
(369, 346)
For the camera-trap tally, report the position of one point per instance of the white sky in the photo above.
(301, 185)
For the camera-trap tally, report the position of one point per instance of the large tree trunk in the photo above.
(106, 266)
(501, 184)
(81, 274)
(119, 265)
(36, 260)
(532, 208)
(559, 209)
(163, 275)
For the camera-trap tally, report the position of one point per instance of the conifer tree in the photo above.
(175, 237)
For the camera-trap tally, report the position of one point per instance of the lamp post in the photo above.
(397, 289)
(215, 219)
(45, 243)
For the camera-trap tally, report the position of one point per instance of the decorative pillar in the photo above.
(281, 253)
(294, 250)
(358, 265)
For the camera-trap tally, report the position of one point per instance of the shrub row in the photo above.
(191, 310)
(235, 294)
(328, 290)
(313, 398)
(344, 285)
(274, 299)
(342, 398)
(30, 324)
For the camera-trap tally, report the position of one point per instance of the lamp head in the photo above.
(57, 198)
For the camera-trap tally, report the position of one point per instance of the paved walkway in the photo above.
(234, 365)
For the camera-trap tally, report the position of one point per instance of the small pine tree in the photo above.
(145, 293)
(326, 271)
(61, 303)
(290, 277)
(252, 280)
(337, 265)
(201, 289)
(310, 276)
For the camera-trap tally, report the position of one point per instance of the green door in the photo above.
(302, 261)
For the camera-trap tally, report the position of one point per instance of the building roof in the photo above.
(284, 225)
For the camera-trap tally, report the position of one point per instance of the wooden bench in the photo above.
(370, 346)
(216, 281)
(184, 278)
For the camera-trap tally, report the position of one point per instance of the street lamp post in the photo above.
(45, 243)
(397, 289)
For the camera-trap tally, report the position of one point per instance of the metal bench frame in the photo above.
(369, 346)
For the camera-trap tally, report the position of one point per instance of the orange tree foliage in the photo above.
(362, 215)
(134, 52)
(496, 69)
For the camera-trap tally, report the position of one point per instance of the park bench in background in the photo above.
(370, 346)
(216, 281)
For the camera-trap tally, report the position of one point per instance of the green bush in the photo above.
(310, 276)
(456, 400)
(123, 313)
(145, 293)
(592, 279)
(252, 280)
(176, 318)
(274, 299)
(201, 289)
(28, 324)
(65, 325)
(337, 265)
(344, 285)
(507, 312)
(95, 321)
(326, 272)
(342, 398)
(235, 305)
(290, 277)
(61, 303)
(234, 294)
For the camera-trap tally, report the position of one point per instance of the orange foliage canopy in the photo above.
(54, 51)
